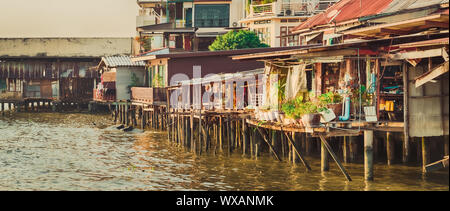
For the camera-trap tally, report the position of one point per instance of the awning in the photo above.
(165, 28)
(402, 27)
(312, 36)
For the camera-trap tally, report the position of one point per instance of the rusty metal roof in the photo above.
(121, 61)
(346, 10)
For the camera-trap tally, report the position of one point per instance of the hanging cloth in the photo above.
(296, 81)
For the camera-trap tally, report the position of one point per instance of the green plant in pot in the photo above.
(332, 100)
(309, 112)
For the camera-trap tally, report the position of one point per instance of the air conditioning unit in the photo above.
(235, 24)
(288, 12)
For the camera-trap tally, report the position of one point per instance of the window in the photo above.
(212, 15)
(263, 34)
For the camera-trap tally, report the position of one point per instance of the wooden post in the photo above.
(324, 164)
(244, 137)
(389, 149)
(345, 149)
(353, 148)
(446, 145)
(220, 133)
(406, 142)
(295, 157)
(192, 132)
(115, 113)
(368, 155)
(425, 153)
(308, 145)
(341, 167)
(200, 130)
(268, 143)
(297, 152)
(228, 134)
(188, 133)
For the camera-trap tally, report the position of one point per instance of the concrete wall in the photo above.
(64, 47)
(123, 80)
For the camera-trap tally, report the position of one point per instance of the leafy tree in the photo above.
(237, 40)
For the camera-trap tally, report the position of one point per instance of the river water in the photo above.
(76, 151)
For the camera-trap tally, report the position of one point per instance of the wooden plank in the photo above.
(417, 54)
(335, 158)
(305, 163)
(430, 75)
(437, 165)
(436, 24)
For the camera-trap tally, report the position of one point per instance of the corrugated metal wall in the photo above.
(428, 111)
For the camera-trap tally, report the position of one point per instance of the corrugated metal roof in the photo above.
(121, 61)
(345, 10)
(398, 5)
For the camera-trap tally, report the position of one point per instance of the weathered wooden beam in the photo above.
(436, 24)
(417, 54)
(302, 159)
(265, 138)
(368, 155)
(335, 158)
(393, 31)
(430, 75)
(324, 160)
(437, 165)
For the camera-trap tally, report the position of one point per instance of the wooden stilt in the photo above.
(425, 153)
(341, 167)
(297, 152)
(324, 164)
(389, 149)
(345, 150)
(353, 148)
(244, 137)
(446, 145)
(265, 138)
(368, 155)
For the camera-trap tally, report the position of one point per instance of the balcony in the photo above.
(149, 95)
(294, 8)
(109, 96)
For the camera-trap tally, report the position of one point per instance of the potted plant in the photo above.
(309, 114)
(333, 101)
(288, 109)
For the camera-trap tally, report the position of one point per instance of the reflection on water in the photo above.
(49, 151)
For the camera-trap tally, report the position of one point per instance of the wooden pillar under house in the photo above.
(389, 149)
(368, 155)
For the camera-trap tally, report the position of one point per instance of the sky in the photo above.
(68, 18)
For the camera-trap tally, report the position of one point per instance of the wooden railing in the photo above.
(148, 95)
(102, 97)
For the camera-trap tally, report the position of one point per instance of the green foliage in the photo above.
(330, 98)
(299, 106)
(366, 98)
(147, 44)
(237, 40)
(134, 82)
